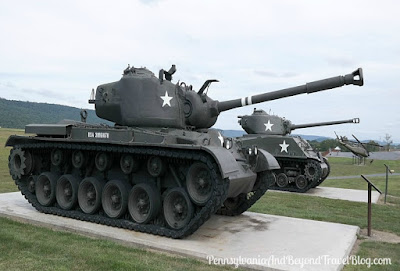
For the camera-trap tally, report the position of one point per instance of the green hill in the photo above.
(16, 114)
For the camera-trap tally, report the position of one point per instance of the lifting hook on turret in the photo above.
(168, 74)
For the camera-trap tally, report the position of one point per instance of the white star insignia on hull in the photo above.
(166, 100)
(284, 146)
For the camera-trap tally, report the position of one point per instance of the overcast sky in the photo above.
(57, 51)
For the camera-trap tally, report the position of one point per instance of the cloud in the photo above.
(7, 84)
(57, 52)
(341, 61)
(149, 2)
(275, 75)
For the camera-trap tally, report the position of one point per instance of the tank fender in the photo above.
(227, 164)
(265, 161)
(15, 140)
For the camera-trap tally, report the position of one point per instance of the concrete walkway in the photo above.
(259, 241)
(338, 193)
(343, 194)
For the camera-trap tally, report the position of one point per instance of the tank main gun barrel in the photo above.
(354, 78)
(299, 126)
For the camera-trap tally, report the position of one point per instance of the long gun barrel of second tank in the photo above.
(299, 126)
(354, 78)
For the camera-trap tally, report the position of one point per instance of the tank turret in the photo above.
(141, 99)
(262, 123)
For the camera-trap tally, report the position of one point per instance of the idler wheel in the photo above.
(57, 157)
(282, 180)
(45, 188)
(199, 183)
(155, 166)
(301, 182)
(144, 203)
(312, 171)
(20, 163)
(67, 191)
(128, 164)
(115, 198)
(89, 195)
(178, 209)
(103, 161)
(32, 183)
(78, 159)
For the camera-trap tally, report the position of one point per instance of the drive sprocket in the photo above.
(312, 171)
(19, 163)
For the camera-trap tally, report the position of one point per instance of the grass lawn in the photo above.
(360, 184)
(385, 217)
(27, 247)
(377, 250)
(341, 166)
(376, 167)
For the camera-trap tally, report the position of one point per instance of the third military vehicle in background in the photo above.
(358, 148)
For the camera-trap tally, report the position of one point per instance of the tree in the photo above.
(324, 145)
(372, 146)
(328, 144)
(388, 140)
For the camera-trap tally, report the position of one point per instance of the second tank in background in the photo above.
(302, 167)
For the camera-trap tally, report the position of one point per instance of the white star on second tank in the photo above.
(268, 126)
(284, 146)
(221, 138)
(166, 100)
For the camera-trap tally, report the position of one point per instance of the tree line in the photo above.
(17, 114)
(330, 144)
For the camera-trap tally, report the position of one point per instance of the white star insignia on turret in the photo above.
(166, 100)
(268, 126)
(284, 146)
(221, 138)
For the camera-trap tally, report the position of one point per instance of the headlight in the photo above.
(252, 151)
(228, 143)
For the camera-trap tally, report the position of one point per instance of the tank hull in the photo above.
(301, 167)
(161, 181)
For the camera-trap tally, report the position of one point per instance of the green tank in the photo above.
(301, 167)
(159, 169)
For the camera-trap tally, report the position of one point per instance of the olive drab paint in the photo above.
(161, 168)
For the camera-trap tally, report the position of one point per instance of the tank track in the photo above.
(327, 174)
(243, 202)
(292, 187)
(202, 214)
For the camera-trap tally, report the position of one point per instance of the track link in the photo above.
(292, 187)
(326, 176)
